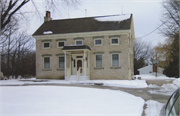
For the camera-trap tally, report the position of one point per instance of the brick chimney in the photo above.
(48, 16)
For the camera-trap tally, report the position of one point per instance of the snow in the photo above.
(165, 89)
(47, 32)
(113, 17)
(67, 101)
(126, 83)
(117, 83)
(152, 77)
(153, 108)
(177, 82)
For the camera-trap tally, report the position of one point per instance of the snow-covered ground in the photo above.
(67, 101)
(152, 77)
(153, 108)
(119, 83)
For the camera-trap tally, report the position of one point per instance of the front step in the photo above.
(81, 78)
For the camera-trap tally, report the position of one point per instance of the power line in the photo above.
(153, 30)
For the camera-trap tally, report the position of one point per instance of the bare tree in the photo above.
(170, 18)
(141, 54)
(10, 8)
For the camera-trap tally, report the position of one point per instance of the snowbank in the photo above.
(177, 82)
(118, 83)
(126, 83)
(165, 89)
(153, 108)
(67, 101)
(151, 77)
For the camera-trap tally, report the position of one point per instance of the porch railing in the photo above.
(78, 73)
(68, 73)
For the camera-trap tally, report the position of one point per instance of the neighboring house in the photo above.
(151, 69)
(102, 46)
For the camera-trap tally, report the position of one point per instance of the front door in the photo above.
(79, 64)
(76, 63)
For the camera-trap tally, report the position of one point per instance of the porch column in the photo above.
(89, 63)
(70, 62)
(65, 66)
(85, 62)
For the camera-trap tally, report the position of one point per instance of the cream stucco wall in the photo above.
(125, 71)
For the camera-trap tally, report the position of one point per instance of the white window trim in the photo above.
(112, 60)
(114, 43)
(79, 40)
(49, 62)
(58, 62)
(95, 60)
(58, 44)
(98, 44)
(46, 47)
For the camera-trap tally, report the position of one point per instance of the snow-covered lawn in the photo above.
(67, 101)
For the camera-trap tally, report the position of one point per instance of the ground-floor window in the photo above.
(115, 60)
(46, 62)
(61, 62)
(98, 61)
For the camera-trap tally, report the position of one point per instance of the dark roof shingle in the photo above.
(88, 24)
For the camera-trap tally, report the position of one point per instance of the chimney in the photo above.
(48, 16)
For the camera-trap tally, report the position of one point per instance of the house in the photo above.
(151, 69)
(85, 48)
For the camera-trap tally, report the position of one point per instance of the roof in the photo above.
(76, 47)
(87, 24)
(149, 66)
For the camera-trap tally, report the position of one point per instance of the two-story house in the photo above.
(85, 48)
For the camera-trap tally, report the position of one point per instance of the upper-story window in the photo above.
(98, 41)
(46, 44)
(114, 40)
(60, 43)
(78, 41)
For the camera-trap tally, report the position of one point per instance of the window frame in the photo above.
(98, 39)
(101, 61)
(44, 63)
(46, 42)
(112, 60)
(79, 40)
(114, 43)
(58, 44)
(59, 62)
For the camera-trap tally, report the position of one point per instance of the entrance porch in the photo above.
(77, 62)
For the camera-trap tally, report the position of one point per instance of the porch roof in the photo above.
(76, 47)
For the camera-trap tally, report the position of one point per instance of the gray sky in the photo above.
(146, 14)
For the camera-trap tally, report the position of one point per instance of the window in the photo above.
(46, 62)
(60, 44)
(46, 44)
(98, 61)
(98, 41)
(79, 42)
(114, 41)
(61, 62)
(115, 60)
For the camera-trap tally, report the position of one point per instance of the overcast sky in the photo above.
(146, 14)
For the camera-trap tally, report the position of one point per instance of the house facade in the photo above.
(90, 47)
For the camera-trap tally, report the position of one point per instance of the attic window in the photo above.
(47, 32)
